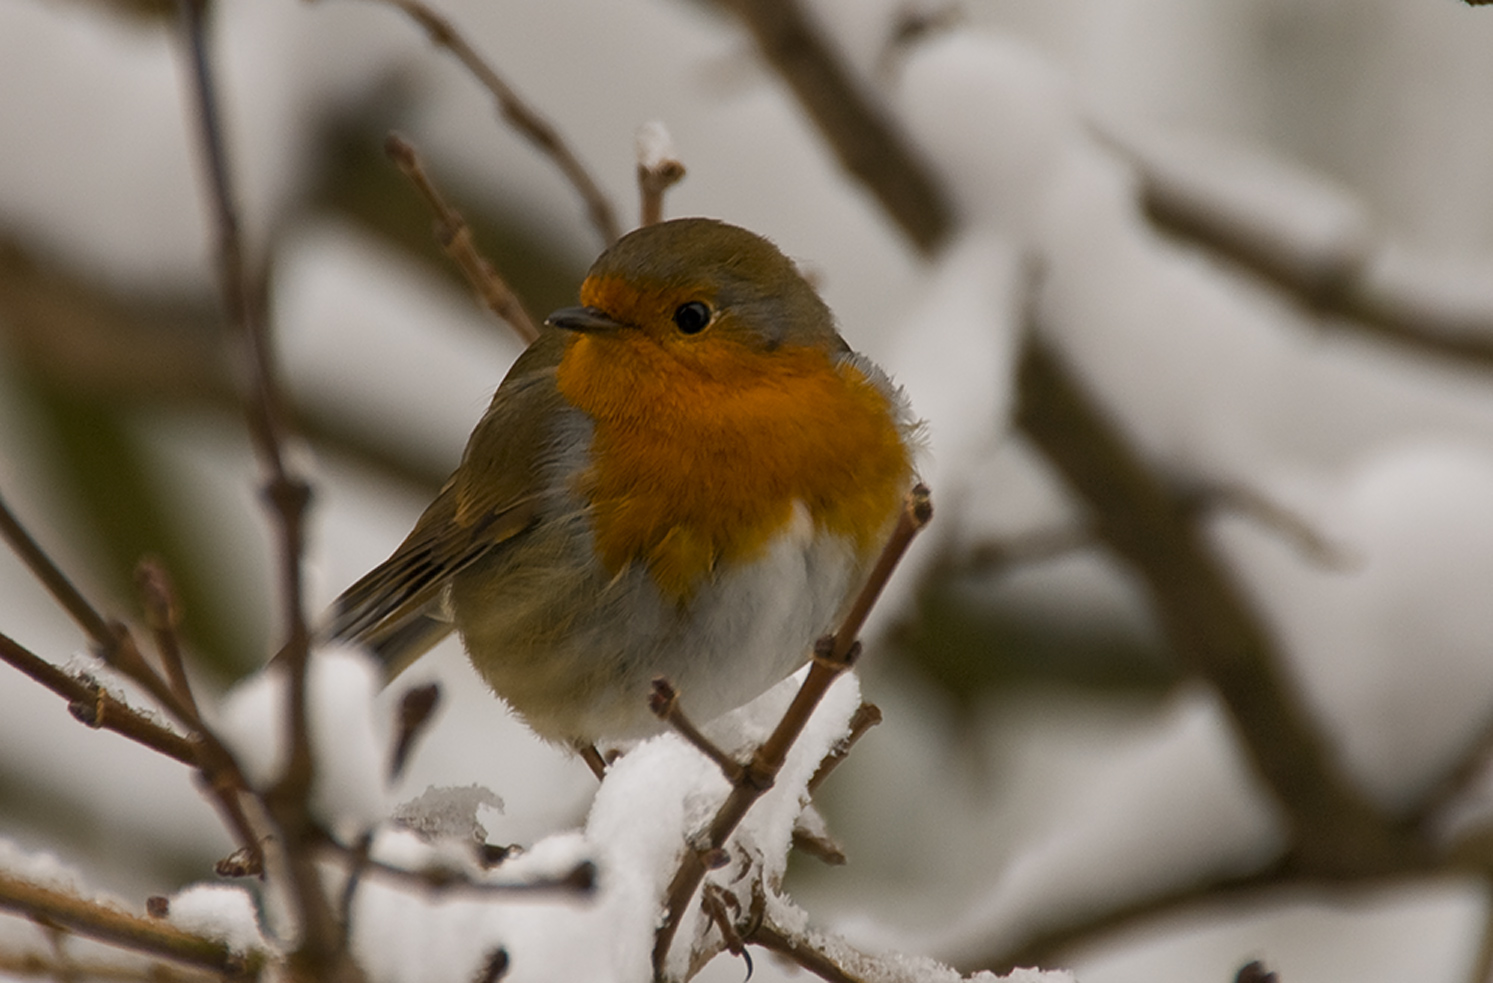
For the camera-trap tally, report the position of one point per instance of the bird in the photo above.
(688, 476)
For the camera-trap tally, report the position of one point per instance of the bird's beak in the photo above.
(587, 320)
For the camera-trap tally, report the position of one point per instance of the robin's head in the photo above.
(696, 282)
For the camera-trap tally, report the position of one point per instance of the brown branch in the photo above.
(664, 702)
(866, 716)
(1310, 543)
(416, 708)
(163, 615)
(1338, 278)
(868, 144)
(1469, 767)
(658, 171)
(109, 924)
(1206, 619)
(34, 964)
(318, 954)
(263, 410)
(1052, 946)
(53, 579)
(527, 121)
(579, 880)
(93, 706)
(832, 656)
(799, 951)
(456, 240)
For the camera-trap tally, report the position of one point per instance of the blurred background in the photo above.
(1051, 781)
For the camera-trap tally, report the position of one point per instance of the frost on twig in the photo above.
(659, 169)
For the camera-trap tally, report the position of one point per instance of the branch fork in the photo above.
(833, 655)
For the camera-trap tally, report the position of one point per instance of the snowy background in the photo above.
(1045, 759)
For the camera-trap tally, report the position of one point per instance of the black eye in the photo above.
(692, 318)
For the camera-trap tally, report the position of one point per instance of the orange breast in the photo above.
(697, 466)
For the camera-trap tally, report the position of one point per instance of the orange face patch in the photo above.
(696, 462)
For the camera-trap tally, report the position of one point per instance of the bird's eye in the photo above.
(692, 318)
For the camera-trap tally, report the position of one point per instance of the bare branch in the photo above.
(1343, 274)
(518, 114)
(664, 702)
(868, 144)
(108, 924)
(658, 171)
(415, 710)
(832, 656)
(53, 579)
(866, 716)
(1206, 619)
(92, 705)
(1312, 544)
(35, 965)
(163, 615)
(318, 954)
(455, 237)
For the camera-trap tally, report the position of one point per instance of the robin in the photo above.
(687, 476)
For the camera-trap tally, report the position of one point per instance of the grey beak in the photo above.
(588, 320)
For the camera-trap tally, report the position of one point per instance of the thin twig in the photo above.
(866, 716)
(1469, 767)
(34, 965)
(579, 880)
(1336, 278)
(659, 169)
(109, 924)
(798, 950)
(519, 115)
(416, 708)
(53, 579)
(1046, 947)
(832, 656)
(456, 240)
(664, 702)
(318, 952)
(1311, 543)
(593, 759)
(93, 706)
(163, 615)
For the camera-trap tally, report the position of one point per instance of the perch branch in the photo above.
(832, 656)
